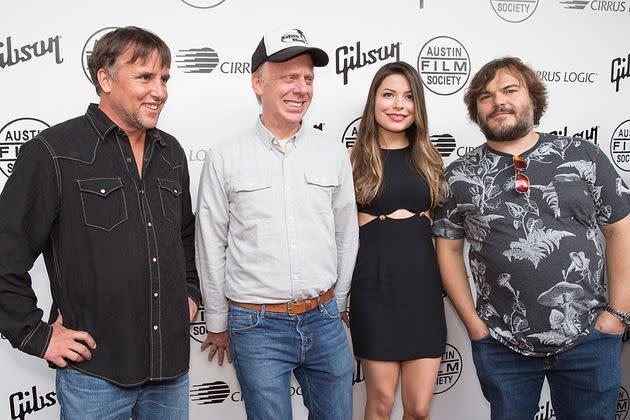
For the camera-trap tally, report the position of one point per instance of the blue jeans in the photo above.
(584, 380)
(267, 347)
(82, 396)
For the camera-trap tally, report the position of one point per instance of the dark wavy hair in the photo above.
(367, 166)
(518, 69)
(115, 43)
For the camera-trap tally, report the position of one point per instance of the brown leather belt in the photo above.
(296, 307)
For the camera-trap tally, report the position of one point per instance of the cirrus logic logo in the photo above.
(12, 136)
(197, 60)
(209, 393)
(444, 65)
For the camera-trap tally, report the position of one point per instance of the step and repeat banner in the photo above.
(579, 48)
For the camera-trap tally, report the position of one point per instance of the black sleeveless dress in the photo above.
(396, 304)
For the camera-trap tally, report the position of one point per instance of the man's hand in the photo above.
(64, 345)
(609, 324)
(345, 317)
(479, 330)
(219, 344)
(192, 309)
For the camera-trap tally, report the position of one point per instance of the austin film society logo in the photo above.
(350, 133)
(198, 326)
(620, 146)
(450, 370)
(596, 5)
(619, 69)
(12, 136)
(353, 57)
(12, 53)
(203, 4)
(22, 403)
(514, 11)
(444, 65)
(89, 47)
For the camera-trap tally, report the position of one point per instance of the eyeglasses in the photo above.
(521, 182)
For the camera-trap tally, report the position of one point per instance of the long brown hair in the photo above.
(367, 166)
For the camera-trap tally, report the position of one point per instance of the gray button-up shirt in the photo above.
(274, 227)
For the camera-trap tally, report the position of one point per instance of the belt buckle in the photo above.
(294, 302)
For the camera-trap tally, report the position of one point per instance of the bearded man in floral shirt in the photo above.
(531, 206)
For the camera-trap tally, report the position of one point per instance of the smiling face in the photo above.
(134, 94)
(285, 90)
(504, 109)
(394, 105)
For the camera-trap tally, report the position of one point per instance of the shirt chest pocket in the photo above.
(170, 198)
(252, 197)
(575, 200)
(320, 186)
(103, 202)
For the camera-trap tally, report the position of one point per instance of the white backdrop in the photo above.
(579, 47)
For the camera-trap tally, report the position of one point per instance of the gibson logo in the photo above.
(588, 134)
(351, 57)
(27, 402)
(10, 56)
(619, 69)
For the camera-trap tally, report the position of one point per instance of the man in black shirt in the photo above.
(105, 198)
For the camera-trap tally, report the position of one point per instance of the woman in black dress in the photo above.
(396, 308)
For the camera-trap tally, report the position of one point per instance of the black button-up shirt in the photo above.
(119, 248)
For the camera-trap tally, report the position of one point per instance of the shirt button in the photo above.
(154, 259)
(149, 224)
(102, 191)
(156, 294)
(175, 191)
(155, 327)
(128, 160)
(140, 191)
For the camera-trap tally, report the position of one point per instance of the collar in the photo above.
(267, 136)
(104, 125)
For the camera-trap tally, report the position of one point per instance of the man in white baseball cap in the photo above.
(277, 238)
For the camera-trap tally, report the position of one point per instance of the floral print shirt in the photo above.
(536, 258)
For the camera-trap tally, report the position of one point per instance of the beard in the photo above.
(504, 132)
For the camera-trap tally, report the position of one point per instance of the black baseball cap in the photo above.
(285, 43)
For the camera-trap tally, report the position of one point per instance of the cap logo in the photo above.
(294, 36)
